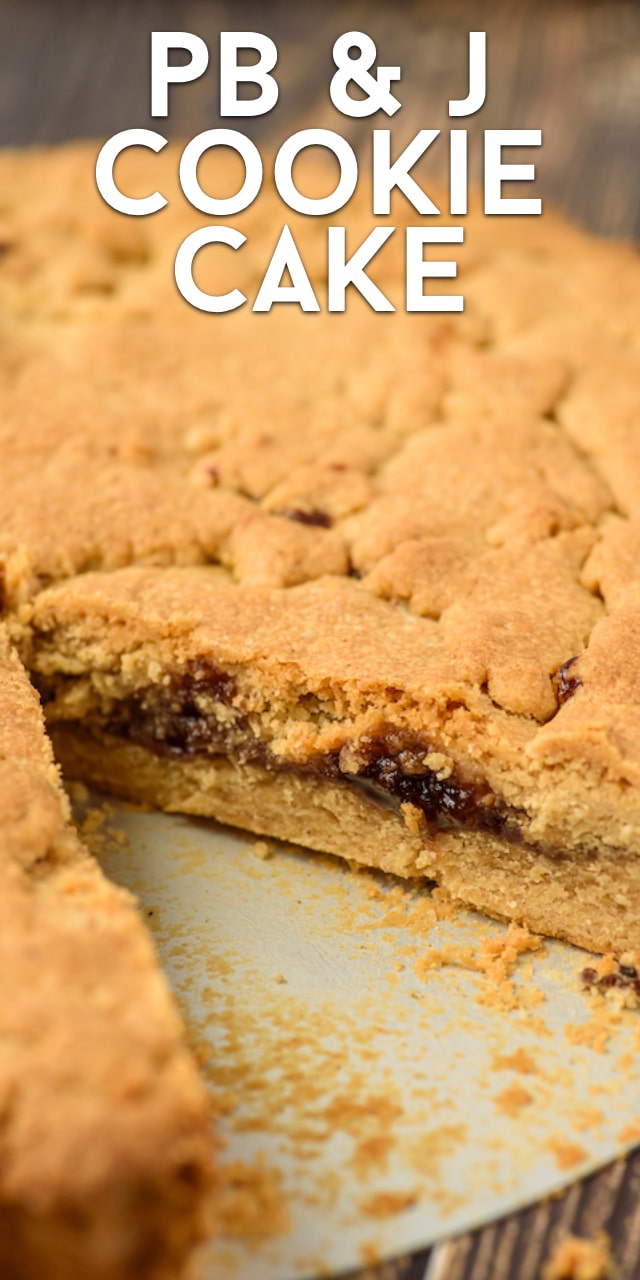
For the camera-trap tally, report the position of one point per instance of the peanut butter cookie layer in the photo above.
(104, 1153)
(368, 582)
(423, 772)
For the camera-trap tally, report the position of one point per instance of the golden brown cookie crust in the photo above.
(409, 535)
(104, 1153)
(430, 515)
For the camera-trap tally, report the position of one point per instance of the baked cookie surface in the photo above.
(415, 535)
(367, 583)
(105, 1159)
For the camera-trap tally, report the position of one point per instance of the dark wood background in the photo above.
(77, 68)
(80, 68)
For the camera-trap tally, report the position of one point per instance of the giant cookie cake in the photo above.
(366, 583)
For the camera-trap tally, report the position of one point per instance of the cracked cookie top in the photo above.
(479, 474)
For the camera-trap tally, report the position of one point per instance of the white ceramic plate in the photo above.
(374, 1104)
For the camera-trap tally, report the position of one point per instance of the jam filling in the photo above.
(565, 683)
(194, 714)
(623, 977)
(445, 802)
(315, 518)
(175, 718)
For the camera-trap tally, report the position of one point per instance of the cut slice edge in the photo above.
(578, 900)
(105, 1144)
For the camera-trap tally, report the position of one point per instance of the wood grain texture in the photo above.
(76, 68)
(79, 69)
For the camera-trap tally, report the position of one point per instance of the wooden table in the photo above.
(79, 69)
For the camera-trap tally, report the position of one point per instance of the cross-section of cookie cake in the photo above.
(323, 715)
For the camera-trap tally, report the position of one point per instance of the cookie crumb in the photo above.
(615, 978)
(630, 1134)
(512, 1099)
(250, 1203)
(520, 1060)
(385, 1204)
(578, 1259)
(370, 1254)
(77, 791)
(567, 1154)
(260, 849)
